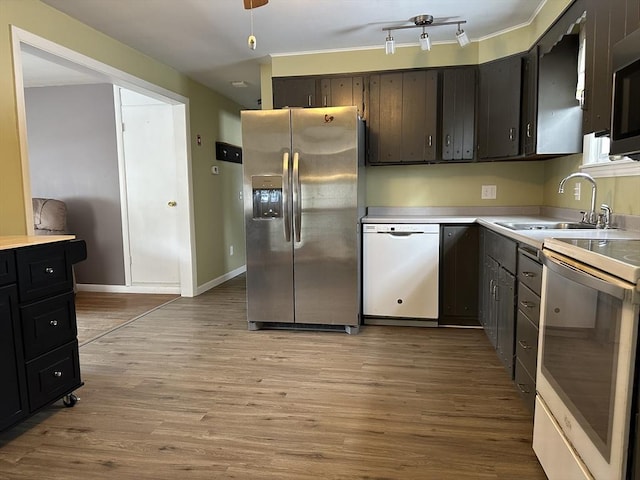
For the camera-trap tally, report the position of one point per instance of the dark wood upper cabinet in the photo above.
(402, 117)
(499, 108)
(529, 109)
(295, 92)
(606, 24)
(458, 113)
(342, 92)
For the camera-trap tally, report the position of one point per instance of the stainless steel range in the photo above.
(586, 357)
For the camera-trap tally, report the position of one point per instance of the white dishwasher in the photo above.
(400, 271)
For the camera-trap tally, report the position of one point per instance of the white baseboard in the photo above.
(217, 281)
(175, 289)
(90, 287)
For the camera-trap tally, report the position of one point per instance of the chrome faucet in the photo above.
(606, 215)
(591, 216)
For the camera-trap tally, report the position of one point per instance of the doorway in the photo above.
(180, 219)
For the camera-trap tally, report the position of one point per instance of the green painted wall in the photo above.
(518, 183)
(218, 216)
(622, 194)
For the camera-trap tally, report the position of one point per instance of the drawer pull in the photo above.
(57, 374)
(527, 304)
(529, 274)
(53, 323)
(524, 388)
(49, 270)
(524, 344)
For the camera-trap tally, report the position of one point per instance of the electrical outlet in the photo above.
(576, 191)
(231, 250)
(488, 192)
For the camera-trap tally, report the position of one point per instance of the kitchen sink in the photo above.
(546, 225)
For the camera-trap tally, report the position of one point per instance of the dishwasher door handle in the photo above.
(403, 234)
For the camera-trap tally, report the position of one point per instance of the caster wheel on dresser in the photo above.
(70, 400)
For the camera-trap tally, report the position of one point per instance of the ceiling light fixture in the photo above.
(461, 36)
(389, 45)
(423, 21)
(425, 41)
(252, 42)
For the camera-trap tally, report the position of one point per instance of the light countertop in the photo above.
(16, 241)
(533, 238)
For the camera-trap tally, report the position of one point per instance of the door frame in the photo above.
(186, 229)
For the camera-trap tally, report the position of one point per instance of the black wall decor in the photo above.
(228, 152)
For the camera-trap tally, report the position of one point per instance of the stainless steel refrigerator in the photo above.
(303, 200)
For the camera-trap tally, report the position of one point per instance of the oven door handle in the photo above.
(587, 276)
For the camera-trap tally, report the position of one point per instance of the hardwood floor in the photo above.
(187, 392)
(98, 313)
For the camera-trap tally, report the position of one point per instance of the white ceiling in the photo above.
(207, 39)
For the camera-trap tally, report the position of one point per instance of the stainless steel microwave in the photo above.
(625, 108)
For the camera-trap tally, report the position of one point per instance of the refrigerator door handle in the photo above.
(297, 211)
(285, 196)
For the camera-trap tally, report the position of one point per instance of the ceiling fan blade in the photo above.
(249, 4)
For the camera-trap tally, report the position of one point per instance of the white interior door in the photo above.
(151, 190)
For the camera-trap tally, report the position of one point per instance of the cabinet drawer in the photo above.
(527, 343)
(47, 324)
(529, 303)
(530, 273)
(7, 268)
(526, 385)
(53, 375)
(43, 270)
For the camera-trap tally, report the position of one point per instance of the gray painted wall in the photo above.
(73, 157)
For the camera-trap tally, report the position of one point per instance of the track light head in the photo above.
(425, 41)
(461, 36)
(389, 45)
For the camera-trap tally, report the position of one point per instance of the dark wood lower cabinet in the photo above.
(459, 275)
(39, 360)
(13, 401)
(497, 292)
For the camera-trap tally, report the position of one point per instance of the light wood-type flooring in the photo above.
(98, 313)
(187, 392)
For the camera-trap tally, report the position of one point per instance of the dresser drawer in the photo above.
(43, 270)
(48, 324)
(530, 273)
(529, 303)
(53, 375)
(527, 343)
(526, 385)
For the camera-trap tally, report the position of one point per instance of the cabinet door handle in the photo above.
(447, 140)
(49, 270)
(430, 141)
(309, 100)
(53, 323)
(512, 134)
(529, 274)
(527, 304)
(524, 344)
(495, 292)
(529, 130)
(57, 374)
(523, 387)
(324, 101)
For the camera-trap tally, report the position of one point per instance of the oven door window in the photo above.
(580, 350)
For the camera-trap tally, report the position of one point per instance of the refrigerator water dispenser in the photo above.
(267, 196)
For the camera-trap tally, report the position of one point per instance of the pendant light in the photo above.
(251, 41)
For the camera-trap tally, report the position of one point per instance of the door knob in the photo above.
(172, 203)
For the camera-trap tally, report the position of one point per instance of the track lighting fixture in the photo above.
(425, 41)
(423, 21)
(461, 36)
(389, 45)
